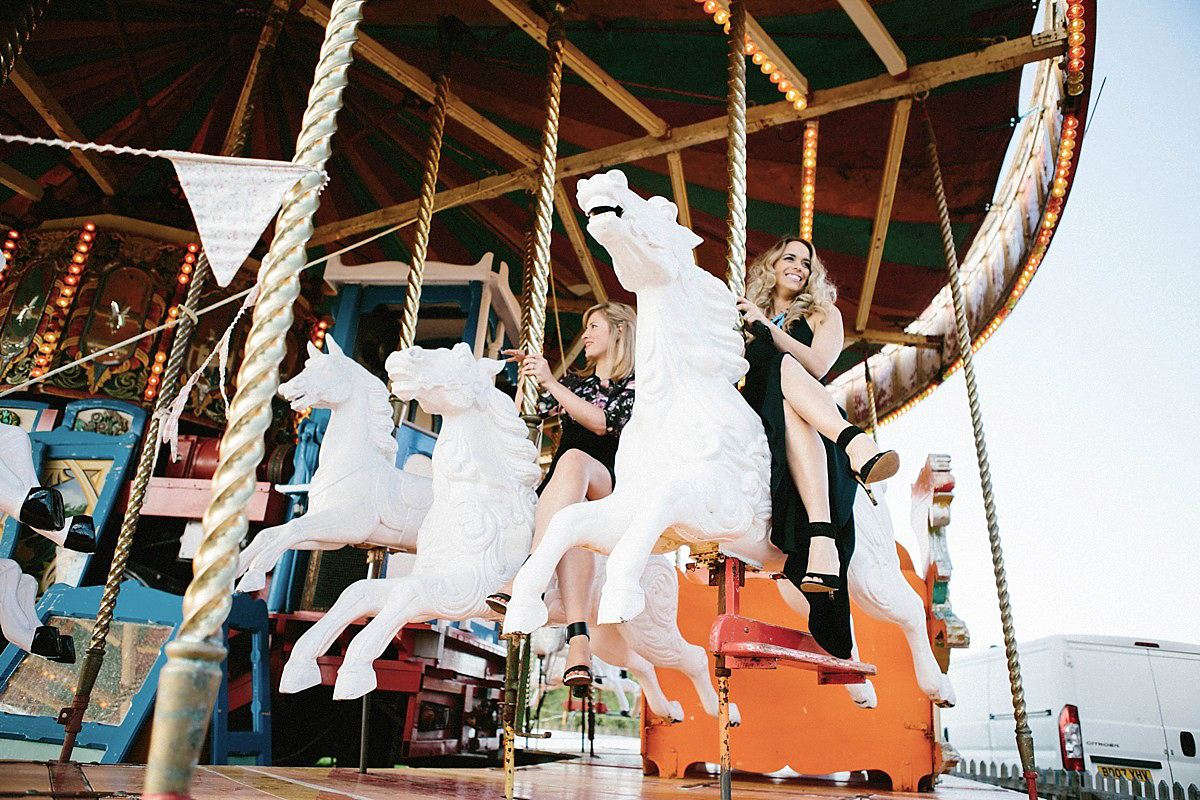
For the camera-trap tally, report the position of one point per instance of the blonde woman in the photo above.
(594, 404)
(794, 336)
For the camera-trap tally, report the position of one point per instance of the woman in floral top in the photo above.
(594, 404)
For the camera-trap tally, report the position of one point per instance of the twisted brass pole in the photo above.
(93, 660)
(533, 314)
(1024, 735)
(871, 399)
(19, 27)
(735, 276)
(536, 280)
(416, 271)
(735, 242)
(189, 681)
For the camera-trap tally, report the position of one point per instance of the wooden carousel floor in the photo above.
(575, 779)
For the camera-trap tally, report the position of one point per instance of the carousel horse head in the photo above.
(647, 244)
(326, 381)
(443, 381)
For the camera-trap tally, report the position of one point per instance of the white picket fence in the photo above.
(1057, 783)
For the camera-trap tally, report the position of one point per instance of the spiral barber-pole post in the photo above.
(189, 681)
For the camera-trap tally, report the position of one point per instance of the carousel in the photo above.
(261, 455)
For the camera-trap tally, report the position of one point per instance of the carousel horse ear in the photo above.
(333, 346)
(664, 207)
(313, 352)
(462, 348)
(619, 177)
(492, 366)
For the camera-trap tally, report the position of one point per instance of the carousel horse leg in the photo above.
(582, 523)
(356, 676)
(609, 644)
(880, 590)
(360, 599)
(623, 598)
(329, 529)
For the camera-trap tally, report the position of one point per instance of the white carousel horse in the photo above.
(41, 508)
(474, 535)
(693, 458)
(356, 495)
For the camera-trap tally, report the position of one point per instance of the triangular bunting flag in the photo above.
(233, 200)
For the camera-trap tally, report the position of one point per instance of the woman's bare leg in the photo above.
(577, 477)
(812, 401)
(807, 464)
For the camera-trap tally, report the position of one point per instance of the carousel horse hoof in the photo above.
(252, 581)
(878, 467)
(863, 694)
(354, 681)
(620, 605)
(735, 716)
(524, 617)
(498, 602)
(52, 645)
(945, 696)
(299, 675)
(675, 711)
(81, 534)
(43, 509)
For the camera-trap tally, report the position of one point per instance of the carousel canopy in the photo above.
(643, 90)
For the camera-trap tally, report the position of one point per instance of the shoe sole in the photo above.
(816, 587)
(887, 466)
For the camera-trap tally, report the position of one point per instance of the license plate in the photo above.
(1128, 773)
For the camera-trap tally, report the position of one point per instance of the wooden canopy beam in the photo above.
(236, 135)
(774, 53)
(679, 188)
(371, 51)
(876, 34)
(883, 208)
(20, 183)
(52, 111)
(923, 77)
(519, 12)
(566, 213)
(890, 337)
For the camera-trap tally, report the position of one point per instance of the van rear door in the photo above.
(1118, 711)
(1176, 675)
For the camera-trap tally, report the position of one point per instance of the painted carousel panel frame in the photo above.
(32, 690)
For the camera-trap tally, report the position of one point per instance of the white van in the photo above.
(1106, 704)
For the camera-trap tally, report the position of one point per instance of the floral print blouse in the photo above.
(615, 400)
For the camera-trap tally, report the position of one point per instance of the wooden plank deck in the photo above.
(575, 779)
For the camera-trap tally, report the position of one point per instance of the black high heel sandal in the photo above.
(578, 677)
(820, 581)
(878, 467)
(498, 602)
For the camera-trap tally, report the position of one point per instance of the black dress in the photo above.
(615, 400)
(830, 618)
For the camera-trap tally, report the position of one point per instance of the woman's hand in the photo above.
(533, 366)
(751, 313)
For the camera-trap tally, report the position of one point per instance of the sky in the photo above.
(1090, 390)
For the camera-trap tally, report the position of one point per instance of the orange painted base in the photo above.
(790, 721)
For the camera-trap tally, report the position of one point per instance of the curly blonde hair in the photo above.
(622, 323)
(819, 293)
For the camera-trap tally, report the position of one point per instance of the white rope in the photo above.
(138, 151)
(219, 304)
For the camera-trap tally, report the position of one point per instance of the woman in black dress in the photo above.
(794, 336)
(594, 404)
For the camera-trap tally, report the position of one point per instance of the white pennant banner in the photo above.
(233, 200)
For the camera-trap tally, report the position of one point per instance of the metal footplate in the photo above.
(750, 644)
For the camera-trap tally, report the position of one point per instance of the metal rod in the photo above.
(735, 242)
(376, 559)
(72, 716)
(1023, 734)
(533, 314)
(508, 713)
(189, 681)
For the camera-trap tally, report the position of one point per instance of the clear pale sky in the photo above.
(1091, 388)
